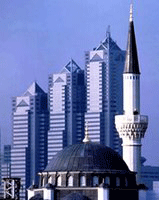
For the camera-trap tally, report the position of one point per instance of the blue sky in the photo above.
(38, 37)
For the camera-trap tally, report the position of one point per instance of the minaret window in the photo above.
(136, 112)
(82, 181)
(70, 181)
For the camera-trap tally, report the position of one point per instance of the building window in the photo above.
(59, 181)
(117, 181)
(95, 180)
(70, 181)
(107, 180)
(82, 181)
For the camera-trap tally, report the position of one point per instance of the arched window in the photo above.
(95, 180)
(70, 181)
(117, 181)
(59, 181)
(82, 181)
(107, 180)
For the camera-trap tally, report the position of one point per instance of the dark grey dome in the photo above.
(86, 157)
(75, 196)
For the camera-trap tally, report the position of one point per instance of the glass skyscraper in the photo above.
(30, 127)
(67, 106)
(104, 69)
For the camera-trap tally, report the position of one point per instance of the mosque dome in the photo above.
(82, 170)
(87, 156)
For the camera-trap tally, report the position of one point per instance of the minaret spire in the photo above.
(131, 61)
(131, 12)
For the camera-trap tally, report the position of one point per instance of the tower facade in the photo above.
(131, 125)
(30, 127)
(5, 166)
(6, 162)
(67, 106)
(104, 68)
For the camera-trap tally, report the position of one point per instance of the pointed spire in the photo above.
(131, 12)
(86, 138)
(131, 61)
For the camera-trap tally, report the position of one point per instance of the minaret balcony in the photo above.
(132, 126)
(131, 118)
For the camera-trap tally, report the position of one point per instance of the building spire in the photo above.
(108, 33)
(131, 12)
(86, 138)
(131, 61)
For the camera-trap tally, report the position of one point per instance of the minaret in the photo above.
(131, 126)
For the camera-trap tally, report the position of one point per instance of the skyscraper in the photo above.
(30, 127)
(5, 166)
(104, 68)
(67, 106)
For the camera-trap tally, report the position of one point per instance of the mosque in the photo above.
(90, 171)
(86, 171)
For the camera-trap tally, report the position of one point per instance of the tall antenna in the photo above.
(108, 32)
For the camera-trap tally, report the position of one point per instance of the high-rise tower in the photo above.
(131, 125)
(30, 127)
(67, 106)
(104, 68)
